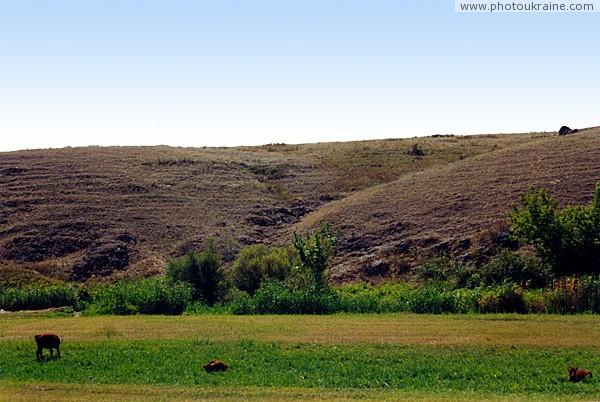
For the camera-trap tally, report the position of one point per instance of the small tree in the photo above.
(568, 240)
(258, 263)
(315, 252)
(202, 271)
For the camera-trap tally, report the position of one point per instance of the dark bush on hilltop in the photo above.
(258, 263)
(415, 150)
(568, 241)
(201, 271)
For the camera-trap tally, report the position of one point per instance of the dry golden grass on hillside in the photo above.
(450, 206)
(88, 213)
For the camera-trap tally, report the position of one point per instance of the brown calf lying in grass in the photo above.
(47, 341)
(215, 365)
(576, 375)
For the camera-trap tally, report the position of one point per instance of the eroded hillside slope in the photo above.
(88, 212)
(81, 213)
(446, 208)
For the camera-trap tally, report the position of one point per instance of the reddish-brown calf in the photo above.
(576, 375)
(47, 341)
(215, 365)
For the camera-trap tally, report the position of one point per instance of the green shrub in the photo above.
(447, 271)
(466, 301)
(575, 295)
(314, 300)
(35, 298)
(276, 297)
(315, 250)
(387, 298)
(508, 266)
(572, 295)
(242, 304)
(142, 296)
(272, 297)
(258, 263)
(362, 298)
(505, 267)
(535, 301)
(431, 299)
(507, 298)
(201, 271)
(567, 240)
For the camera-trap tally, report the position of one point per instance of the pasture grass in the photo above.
(532, 330)
(416, 368)
(61, 392)
(388, 357)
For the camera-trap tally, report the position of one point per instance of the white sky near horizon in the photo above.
(251, 72)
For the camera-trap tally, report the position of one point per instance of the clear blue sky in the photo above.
(242, 72)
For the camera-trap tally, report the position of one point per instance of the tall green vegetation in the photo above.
(287, 280)
(567, 240)
(37, 297)
(201, 271)
(506, 267)
(141, 296)
(315, 251)
(258, 263)
(295, 279)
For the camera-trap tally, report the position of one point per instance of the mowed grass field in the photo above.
(278, 358)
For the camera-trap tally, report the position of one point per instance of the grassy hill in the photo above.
(81, 213)
(458, 206)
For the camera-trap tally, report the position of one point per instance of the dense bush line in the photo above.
(568, 295)
(143, 296)
(567, 240)
(36, 298)
(563, 276)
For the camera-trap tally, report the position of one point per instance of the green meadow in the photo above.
(339, 357)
